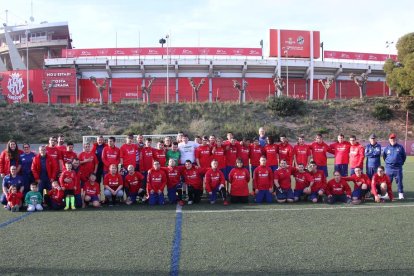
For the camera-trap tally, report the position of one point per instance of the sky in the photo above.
(356, 26)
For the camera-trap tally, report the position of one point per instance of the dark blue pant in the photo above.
(156, 198)
(213, 196)
(227, 172)
(342, 169)
(78, 201)
(396, 173)
(172, 193)
(371, 171)
(273, 167)
(44, 184)
(264, 195)
(324, 169)
(3, 199)
(336, 198)
(133, 197)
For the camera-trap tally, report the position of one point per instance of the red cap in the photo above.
(392, 136)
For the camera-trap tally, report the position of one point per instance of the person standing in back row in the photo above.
(373, 155)
(394, 157)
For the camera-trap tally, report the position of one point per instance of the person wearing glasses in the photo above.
(373, 155)
(394, 157)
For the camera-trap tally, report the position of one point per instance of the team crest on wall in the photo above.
(15, 86)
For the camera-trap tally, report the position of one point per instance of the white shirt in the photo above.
(187, 151)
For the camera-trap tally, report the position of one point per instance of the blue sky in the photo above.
(359, 26)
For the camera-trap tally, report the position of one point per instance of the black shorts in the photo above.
(69, 192)
(239, 199)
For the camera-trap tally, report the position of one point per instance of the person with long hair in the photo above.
(10, 157)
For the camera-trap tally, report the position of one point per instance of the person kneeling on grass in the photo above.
(133, 184)
(263, 182)
(362, 184)
(14, 199)
(303, 180)
(215, 181)
(381, 186)
(338, 189)
(33, 199)
(319, 183)
(283, 183)
(239, 178)
(91, 192)
(113, 185)
(54, 198)
(174, 185)
(156, 181)
(194, 180)
(68, 180)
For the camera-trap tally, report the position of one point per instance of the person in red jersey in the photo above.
(203, 154)
(193, 178)
(113, 185)
(218, 153)
(319, 150)
(215, 183)
(146, 158)
(256, 151)
(14, 199)
(283, 182)
(128, 153)
(55, 153)
(356, 154)
(174, 184)
(54, 198)
(91, 192)
(110, 155)
(68, 182)
(231, 151)
(362, 184)
(44, 169)
(340, 150)
(88, 162)
(156, 182)
(133, 185)
(61, 143)
(212, 141)
(10, 157)
(160, 153)
(140, 144)
(303, 182)
(301, 152)
(271, 152)
(68, 155)
(337, 189)
(285, 150)
(239, 179)
(244, 153)
(79, 183)
(381, 186)
(318, 188)
(263, 182)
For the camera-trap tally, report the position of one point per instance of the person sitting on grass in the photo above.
(68, 180)
(113, 185)
(193, 178)
(174, 184)
(381, 186)
(156, 182)
(303, 182)
(33, 199)
(362, 184)
(91, 192)
(283, 182)
(54, 198)
(133, 184)
(239, 178)
(263, 182)
(319, 183)
(338, 189)
(215, 182)
(14, 199)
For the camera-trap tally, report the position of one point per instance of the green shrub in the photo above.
(285, 106)
(382, 112)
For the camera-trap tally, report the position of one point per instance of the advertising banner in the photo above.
(358, 56)
(294, 43)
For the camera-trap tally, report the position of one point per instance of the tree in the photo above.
(196, 88)
(48, 90)
(279, 86)
(147, 90)
(100, 87)
(361, 82)
(326, 85)
(400, 74)
(241, 88)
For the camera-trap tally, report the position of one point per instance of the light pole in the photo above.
(168, 75)
(261, 45)
(27, 62)
(286, 52)
(388, 46)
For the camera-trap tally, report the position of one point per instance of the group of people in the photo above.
(59, 178)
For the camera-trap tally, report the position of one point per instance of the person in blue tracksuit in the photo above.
(394, 157)
(373, 156)
(26, 160)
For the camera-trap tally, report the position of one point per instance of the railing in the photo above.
(120, 139)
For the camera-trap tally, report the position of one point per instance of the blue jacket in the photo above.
(26, 161)
(394, 156)
(9, 181)
(373, 155)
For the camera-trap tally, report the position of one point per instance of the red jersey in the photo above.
(113, 181)
(68, 180)
(244, 153)
(341, 152)
(146, 159)
(61, 148)
(338, 188)
(92, 189)
(55, 153)
(213, 178)
(68, 156)
(5, 162)
(134, 182)
(359, 180)
(219, 155)
(159, 155)
(14, 199)
(193, 177)
(203, 154)
(56, 195)
(302, 179)
(51, 167)
(271, 151)
(231, 152)
(255, 153)
(301, 154)
(173, 176)
(319, 181)
(283, 176)
(239, 180)
(356, 156)
(377, 180)
(262, 178)
(156, 180)
(319, 153)
(110, 156)
(286, 152)
(88, 167)
(128, 153)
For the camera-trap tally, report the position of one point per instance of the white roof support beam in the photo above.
(338, 72)
(108, 69)
(244, 70)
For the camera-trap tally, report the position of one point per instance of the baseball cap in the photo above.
(392, 136)
(372, 136)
